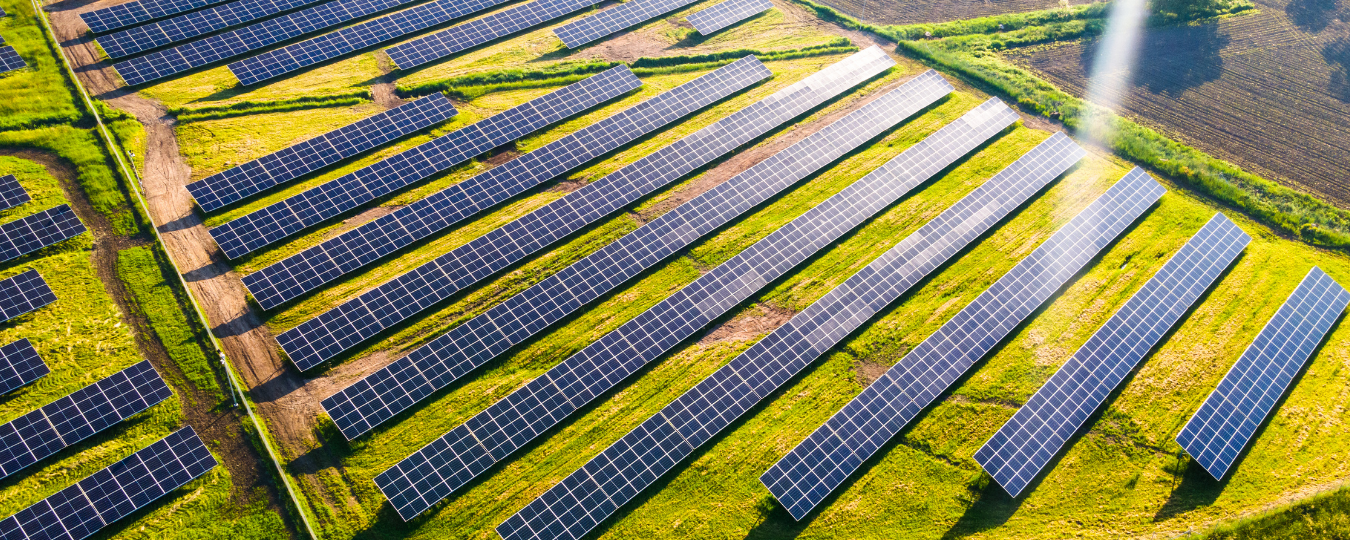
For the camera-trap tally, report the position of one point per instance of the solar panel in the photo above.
(1037, 432)
(363, 245)
(133, 13)
(345, 326)
(637, 460)
(1228, 419)
(20, 365)
(614, 19)
(438, 469)
(31, 233)
(321, 203)
(113, 493)
(71, 419)
(726, 14)
(474, 33)
(11, 193)
(407, 380)
(23, 293)
(817, 466)
(10, 59)
(235, 184)
(198, 23)
(2, 13)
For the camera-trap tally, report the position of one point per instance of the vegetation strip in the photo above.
(242, 108)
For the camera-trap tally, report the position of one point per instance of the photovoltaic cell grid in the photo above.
(404, 296)
(115, 492)
(71, 419)
(10, 59)
(726, 14)
(1230, 416)
(623, 470)
(31, 233)
(20, 365)
(314, 206)
(474, 33)
(381, 395)
(1037, 432)
(198, 23)
(363, 245)
(11, 193)
(230, 186)
(440, 468)
(132, 13)
(822, 462)
(614, 19)
(23, 293)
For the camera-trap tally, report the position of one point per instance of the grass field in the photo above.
(37, 95)
(935, 11)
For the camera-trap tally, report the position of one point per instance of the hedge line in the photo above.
(211, 112)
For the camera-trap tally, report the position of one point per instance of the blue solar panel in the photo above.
(321, 203)
(11, 193)
(726, 14)
(10, 60)
(31, 233)
(20, 365)
(378, 397)
(198, 23)
(641, 457)
(23, 293)
(1228, 419)
(614, 19)
(1037, 432)
(139, 11)
(474, 33)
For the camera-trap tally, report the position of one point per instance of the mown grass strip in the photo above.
(1322, 516)
(242, 108)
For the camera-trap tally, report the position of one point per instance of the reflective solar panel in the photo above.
(139, 11)
(343, 327)
(331, 199)
(2, 13)
(726, 14)
(23, 293)
(235, 184)
(26, 235)
(113, 493)
(817, 466)
(474, 33)
(71, 419)
(614, 19)
(1228, 419)
(10, 60)
(11, 193)
(640, 458)
(1039, 429)
(406, 381)
(20, 365)
(198, 23)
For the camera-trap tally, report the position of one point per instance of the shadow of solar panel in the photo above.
(817, 466)
(321, 203)
(113, 493)
(198, 23)
(20, 365)
(726, 14)
(10, 60)
(1228, 419)
(11, 193)
(71, 419)
(614, 19)
(31, 233)
(23, 293)
(1036, 433)
(356, 248)
(642, 456)
(235, 184)
(474, 33)
(133, 13)
(381, 395)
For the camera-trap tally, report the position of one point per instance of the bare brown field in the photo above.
(935, 11)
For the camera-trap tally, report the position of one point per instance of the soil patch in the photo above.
(761, 321)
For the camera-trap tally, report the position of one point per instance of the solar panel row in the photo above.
(20, 365)
(614, 19)
(1228, 419)
(368, 243)
(1020, 449)
(624, 469)
(23, 293)
(34, 232)
(440, 468)
(474, 33)
(432, 282)
(113, 493)
(139, 11)
(71, 419)
(726, 14)
(2, 13)
(321, 203)
(198, 23)
(10, 59)
(235, 184)
(817, 466)
(406, 381)
(11, 193)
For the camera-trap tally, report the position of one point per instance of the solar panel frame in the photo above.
(139, 39)
(20, 364)
(478, 32)
(1228, 419)
(11, 192)
(132, 13)
(10, 59)
(614, 19)
(31, 233)
(23, 293)
(726, 14)
(1028, 441)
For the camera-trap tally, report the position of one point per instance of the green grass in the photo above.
(246, 108)
(38, 95)
(81, 149)
(1324, 516)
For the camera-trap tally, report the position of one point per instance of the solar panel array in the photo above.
(20, 365)
(401, 298)
(10, 59)
(474, 33)
(23, 293)
(31, 233)
(817, 466)
(726, 14)
(2, 13)
(1036, 433)
(133, 13)
(230, 186)
(623, 470)
(614, 19)
(321, 203)
(198, 23)
(1230, 416)
(356, 248)
(381, 395)
(113, 493)
(11, 193)
(71, 419)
